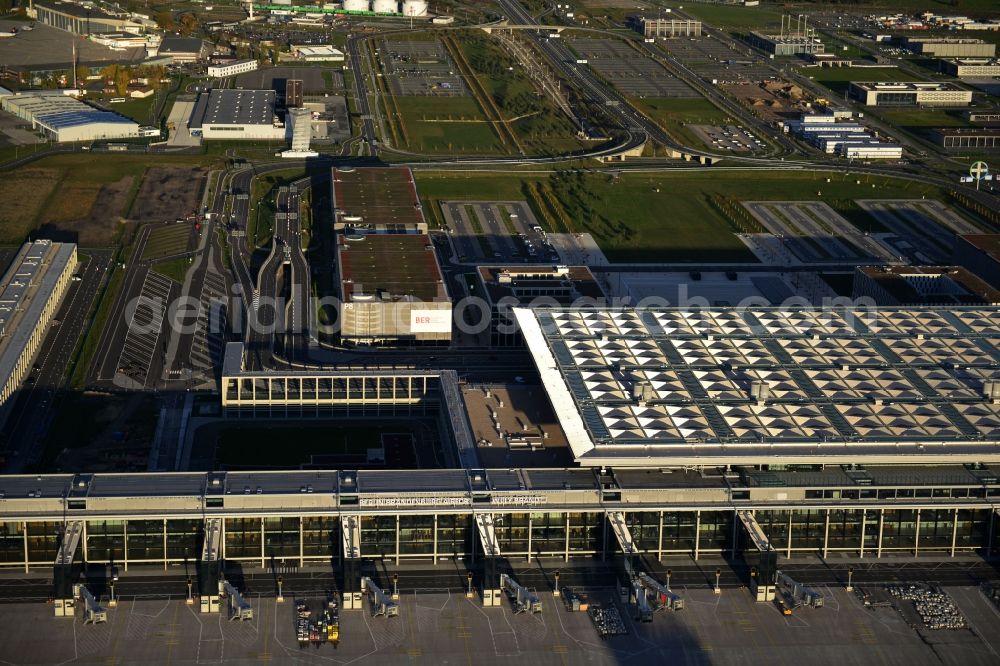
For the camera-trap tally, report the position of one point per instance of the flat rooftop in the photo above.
(234, 107)
(379, 196)
(79, 10)
(389, 267)
(988, 243)
(749, 386)
(906, 86)
(933, 285)
(563, 283)
(172, 44)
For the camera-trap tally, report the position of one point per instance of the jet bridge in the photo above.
(764, 583)
(351, 536)
(239, 608)
(663, 596)
(210, 566)
(491, 554)
(521, 597)
(64, 572)
(94, 612)
(381, 604)
(801, 594)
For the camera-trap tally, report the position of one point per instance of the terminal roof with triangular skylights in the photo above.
(666, 387)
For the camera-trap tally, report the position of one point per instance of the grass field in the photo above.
(24, 192)
(175, 269)
(446, 125)
(167, 240)
(642, 218)
(675, 114)
(139, 110)
(922, 118)
(730, 16)
(838, 78)
(291, 446)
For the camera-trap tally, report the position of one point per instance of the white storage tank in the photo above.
(356, 5)
(386, 7)
(415, 8)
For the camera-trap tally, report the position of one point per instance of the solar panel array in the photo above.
(672, 378)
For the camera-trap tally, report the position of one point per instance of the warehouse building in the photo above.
(909, 93)
(84, 19)
(65, 119)
(951, 48)
(971, 67)
(963, 138)
(391, 287)
(30, 293)
(836, 133)
(786, 45)
(922, 285)
(237, 114)
(182, 50)
(232, 68)
(317, 53)
(662, 27)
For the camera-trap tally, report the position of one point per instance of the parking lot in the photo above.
(713, 59)
(142, 351)
(420, 68)
(446, 627)
(315, 80)
(813, 231)
(923, 230)
(496, 232)
(632, 73)
(729, 137)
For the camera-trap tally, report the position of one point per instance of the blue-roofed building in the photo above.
(64, 119)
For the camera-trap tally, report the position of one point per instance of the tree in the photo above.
(165, 20)
(82, 72)
(189, 23)
(122, 77)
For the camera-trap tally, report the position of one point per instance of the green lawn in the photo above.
(731, 16)
(139, 110)
(292, 446)
(675, 114)
(167, 240)
(642, 217)
(922, 118)
(446, 125)
(838, 78)
(175, 269)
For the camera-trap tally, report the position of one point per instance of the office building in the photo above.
(31, 292)
(836, 133)
(909, 93)
(971, 67)
(786, 45)
(668, 27)
(965, 138)
(939, 47)
(232, 68)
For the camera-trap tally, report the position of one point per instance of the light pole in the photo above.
(395, 587)
(718, 574)
(281, 596)
(190, 599)
(468, 592)
(555, 593)
(669, 573)
(850, 575)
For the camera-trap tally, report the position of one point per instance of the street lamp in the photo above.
(281, 596)
(850, 575)
(556, 592)
(718, 574)
(190, 599)
(669, 573)
(468, 592)
(395, 586)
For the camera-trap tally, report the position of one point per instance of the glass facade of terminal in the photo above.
(316, 540)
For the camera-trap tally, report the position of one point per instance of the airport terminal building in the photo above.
(693, 433)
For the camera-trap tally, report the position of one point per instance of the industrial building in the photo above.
(232, 68)
(63, 119)
(31, 292)
(85, 19)
(836, 133)
(183, 50)
(390, 284)
(237, 114)
(971, 67)
(664, 27)
(909, 93)
(940, 47)
(963, 138)
(786, 45)
(507, 287)
(923, 285)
